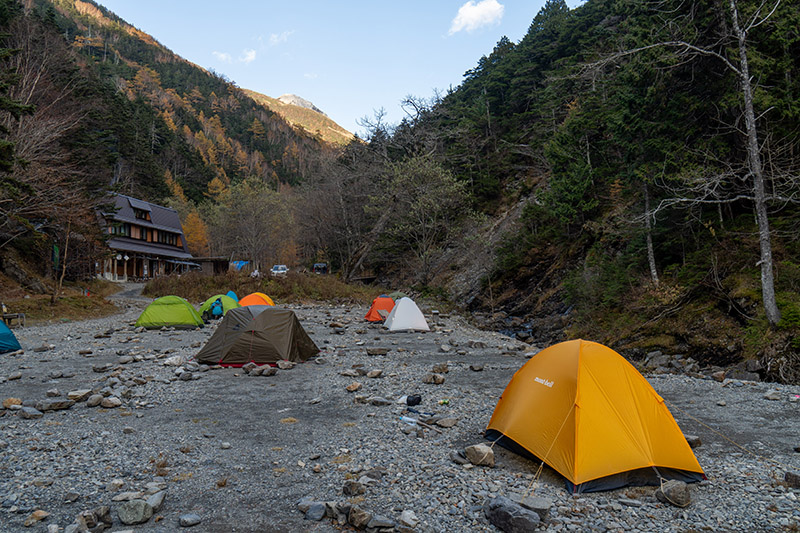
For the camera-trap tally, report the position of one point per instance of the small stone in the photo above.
(14, 375)
(358, 517)
(435, 379)
(156, 500)
(408, 518)
(189, 520)
(480, 455)
(127, 430)
(719, 376)
(315, 512)
(722, 403)
(79, 395)
(458, 458)
(773, 395)
(52, 393)
(115, 484)
(675, 493)
(186, 376)
(71, 497)
(441, 368)
(374, 373)
(269, 371)
(30, 413)
(94, 400)
(8, 402)
(36, 516)
(377, 351)
(444, 348)
(379, 522)
(111, 402)
(225, 446)
(380, 401)
(540, 506)
(353, 488)
(446, 422)
(476, 368)
(54, 405)
(693, 440)
(792, 479)
(353, 387)
(284, 364)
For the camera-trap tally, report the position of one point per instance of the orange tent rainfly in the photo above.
(588, 413)
(381, 303)
(256, 298)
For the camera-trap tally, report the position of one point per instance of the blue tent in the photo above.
(232, 294)
(8, 342)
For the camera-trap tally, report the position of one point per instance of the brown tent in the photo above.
(258, 333)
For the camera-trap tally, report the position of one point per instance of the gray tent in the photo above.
(258, 333)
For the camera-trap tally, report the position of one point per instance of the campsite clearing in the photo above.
(240, 451)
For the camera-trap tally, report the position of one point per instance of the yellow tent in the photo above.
(584, 410)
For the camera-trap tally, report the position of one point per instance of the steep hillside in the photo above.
(233, 136)
(310, 120)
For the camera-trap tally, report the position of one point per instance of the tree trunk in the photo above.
(369, 241)
(651, 256)
(756, 169)
(57, 287)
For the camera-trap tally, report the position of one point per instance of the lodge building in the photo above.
(146, 241)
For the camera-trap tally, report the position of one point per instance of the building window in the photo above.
(143, 234)
(167, 238)
(141, 214)
(123, 230)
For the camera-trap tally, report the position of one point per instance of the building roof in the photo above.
(161, 218)
(126, 244)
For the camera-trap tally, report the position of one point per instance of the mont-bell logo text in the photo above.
(545, 382)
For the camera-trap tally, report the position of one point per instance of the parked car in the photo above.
(279, 270)
(320, 268)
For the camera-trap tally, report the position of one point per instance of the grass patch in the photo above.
(72, 305)
(294, 288)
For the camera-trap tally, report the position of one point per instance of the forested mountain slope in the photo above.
(107, 106)
(632, 169)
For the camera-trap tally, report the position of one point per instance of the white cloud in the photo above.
(278, 38)
(472, 16)
(222, 56)
(310, 76)
(248, 56)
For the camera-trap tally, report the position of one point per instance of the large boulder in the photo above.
(480, 454)
(509, 516)
(674, 492)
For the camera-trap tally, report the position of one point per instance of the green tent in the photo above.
(228, 303)
(396, 295)
(169, 311)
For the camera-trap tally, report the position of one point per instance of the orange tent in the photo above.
(381, 303)
(256, 298)
(588, 413)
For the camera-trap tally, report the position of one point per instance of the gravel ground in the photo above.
(239, 451)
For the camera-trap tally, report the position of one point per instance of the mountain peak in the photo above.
(293, 99)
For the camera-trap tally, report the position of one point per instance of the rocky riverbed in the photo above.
(110, 427)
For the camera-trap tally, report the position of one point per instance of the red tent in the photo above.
(381, 303)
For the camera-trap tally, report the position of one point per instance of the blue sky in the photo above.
(349, 58)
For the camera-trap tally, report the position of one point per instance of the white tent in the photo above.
(406, 315)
